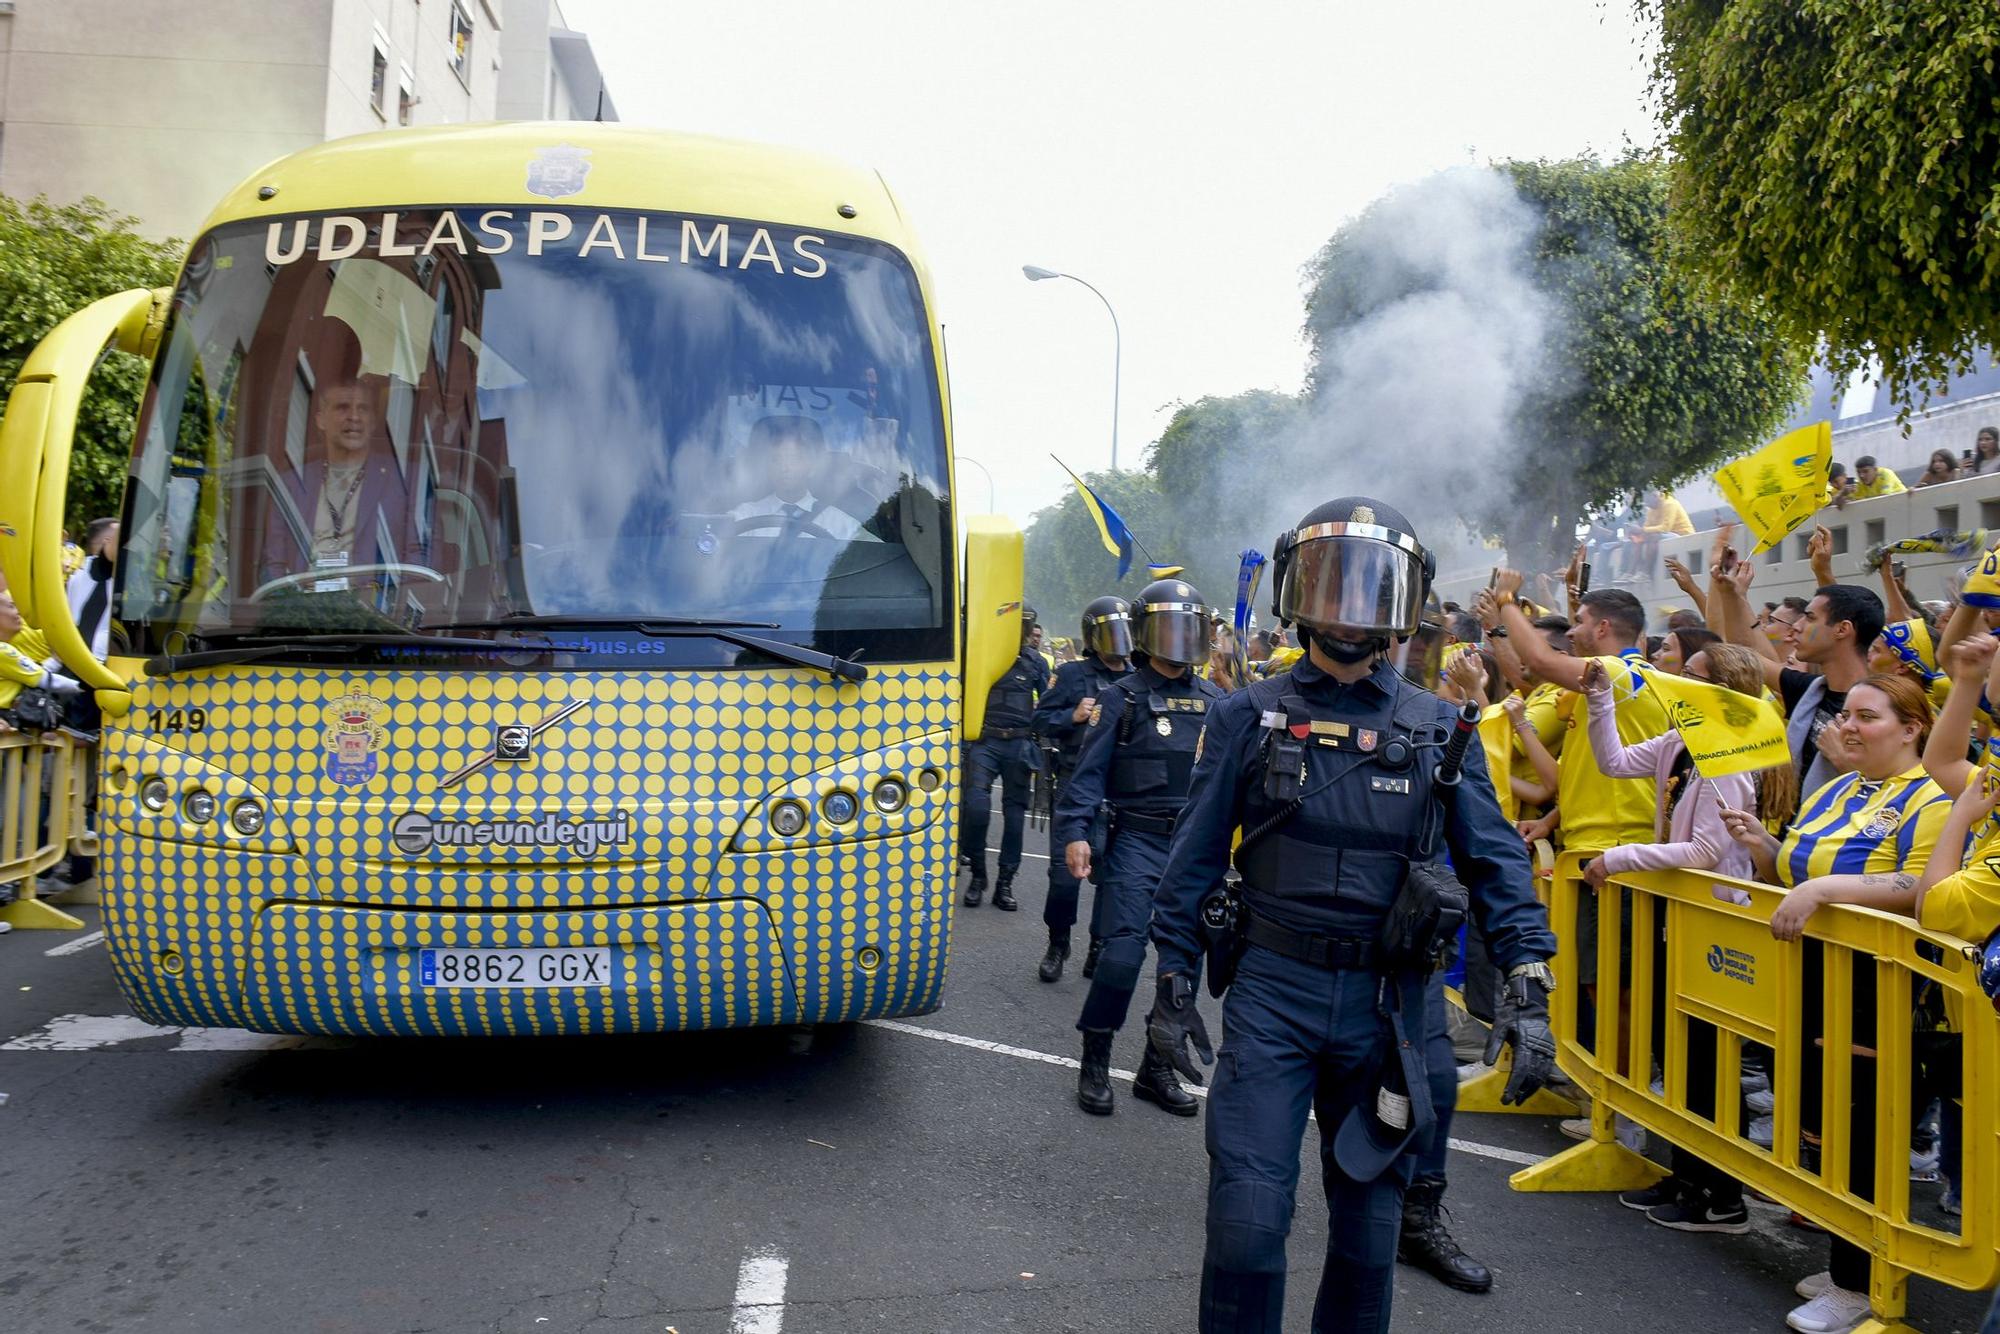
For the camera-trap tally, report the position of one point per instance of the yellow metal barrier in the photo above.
(43, 780)
(1482, 1094)
(1806, 1001)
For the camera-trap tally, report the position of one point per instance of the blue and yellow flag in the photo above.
(1117, 537)
(1725, 732)
(1781, 485)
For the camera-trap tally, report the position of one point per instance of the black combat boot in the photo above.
(1003, 893)
(1426, 1242)
(975, 888)
(1093, 1084)
(1091, 956)
(1157, 1083)
(1051, 966)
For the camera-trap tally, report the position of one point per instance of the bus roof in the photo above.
(572, 164)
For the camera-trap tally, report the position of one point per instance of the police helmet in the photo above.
(1174, 625)
(1352, 564)
(1107, 627)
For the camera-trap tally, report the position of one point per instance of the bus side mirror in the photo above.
(35, 439)
(994, 560)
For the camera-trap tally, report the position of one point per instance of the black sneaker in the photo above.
(1699, 1213)
(1667, 1190)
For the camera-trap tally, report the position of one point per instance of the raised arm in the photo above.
(1963, 622)
(1488, 611)
(1531, 743)
(1819, 554)
(1731, 597)
(1536, 655)
(1894, 608)
(1684, 579)
(1969, 663)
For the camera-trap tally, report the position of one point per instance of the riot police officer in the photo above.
(1106, 644)
(1004, 751)
(1331, 772)
(1138, 755)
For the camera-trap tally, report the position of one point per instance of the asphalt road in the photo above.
(883, 1180)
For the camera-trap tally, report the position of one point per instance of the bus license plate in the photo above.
(514, 968)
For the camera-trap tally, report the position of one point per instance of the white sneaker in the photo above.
(5, 927)
(1834, 1311)
(1923, 1166)
(1762, 1103)
(1629, 1133)
(1761, 1131)
(1576, 1127)
(1812, 1285)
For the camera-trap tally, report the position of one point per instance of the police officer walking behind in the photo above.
(1003, 751)
(1138, 755)
(1060, 719)
(1336, 774)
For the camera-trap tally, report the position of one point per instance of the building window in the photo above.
(378, 76)
(406, 97)
(461, 42)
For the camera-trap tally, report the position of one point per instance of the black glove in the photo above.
(1173, 1021)
(1522, 1022)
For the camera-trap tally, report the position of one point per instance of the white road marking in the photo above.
(90, 1032)
(1038, 856)
(73, 946)
(1069, 1062)
(760, 1294)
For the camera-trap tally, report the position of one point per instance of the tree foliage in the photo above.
(1841, 160)
(54, 260)
(1211, 462)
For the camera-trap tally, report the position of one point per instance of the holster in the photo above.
(1099, 838)
(1222, 934)
(1429, 908)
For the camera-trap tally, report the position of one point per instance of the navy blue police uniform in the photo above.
(1005, 750)
(1055, 723)
(1313, 1022)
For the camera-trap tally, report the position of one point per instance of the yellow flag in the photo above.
(1496, 736)
(1781, 485)
(1725, 733)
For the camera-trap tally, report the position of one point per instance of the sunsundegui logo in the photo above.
(414, 833)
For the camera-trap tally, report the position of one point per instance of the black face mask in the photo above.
(100, 568)
(1346, 652)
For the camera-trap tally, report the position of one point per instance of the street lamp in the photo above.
(1036, 274)
(992, 504)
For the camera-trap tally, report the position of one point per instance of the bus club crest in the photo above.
(353, 736)
(557, 173)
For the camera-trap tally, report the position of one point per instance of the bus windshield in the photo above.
(403, 421)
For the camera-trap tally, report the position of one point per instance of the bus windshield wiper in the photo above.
(671, 627)
(250, 646)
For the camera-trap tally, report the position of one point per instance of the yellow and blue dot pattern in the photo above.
(310, 916)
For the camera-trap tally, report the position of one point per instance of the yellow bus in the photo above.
(541, 606)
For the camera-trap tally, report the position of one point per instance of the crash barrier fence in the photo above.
(44, 780)
(1858, 1022)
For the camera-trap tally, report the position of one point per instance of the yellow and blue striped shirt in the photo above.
(1854, 826)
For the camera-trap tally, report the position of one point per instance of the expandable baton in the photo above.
(1462, 729)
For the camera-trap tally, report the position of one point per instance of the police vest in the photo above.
(1011, 701)
(1098, 680)
(1337, 805)
(1158, 736)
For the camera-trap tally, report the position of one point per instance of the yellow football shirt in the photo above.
(1599, 813)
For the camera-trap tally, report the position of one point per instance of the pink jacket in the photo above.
(1697, 840)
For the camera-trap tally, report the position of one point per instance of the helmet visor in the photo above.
(1176, 632)
(1337, 577)
(1109, 636)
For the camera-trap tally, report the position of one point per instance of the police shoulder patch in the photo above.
(1096, 712)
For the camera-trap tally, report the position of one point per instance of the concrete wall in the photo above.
(159, 108)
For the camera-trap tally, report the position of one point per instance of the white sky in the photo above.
(1185, 158)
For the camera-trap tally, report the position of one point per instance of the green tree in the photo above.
(1067, 564)
(54, 260)
(1648, 379)
(1208, 465)
(1840, 159)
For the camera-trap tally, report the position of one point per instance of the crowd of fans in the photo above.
(1888, 802)
(37, 695)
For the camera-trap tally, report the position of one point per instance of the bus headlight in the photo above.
(890, 796)
(154, 795)
(247, 819)
(787, 819)
(840, 807)
(199, 806)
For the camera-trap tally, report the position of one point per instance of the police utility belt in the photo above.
(1002, 733)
